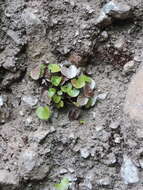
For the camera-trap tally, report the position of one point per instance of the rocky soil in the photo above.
(105, 152)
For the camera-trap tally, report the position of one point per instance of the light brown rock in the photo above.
(134, 98)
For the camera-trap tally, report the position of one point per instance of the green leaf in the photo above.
(64, 185)
(78, 83)
(56, 80)
(85, 78)
(82, 122)
(57, 98)
(76, 104)
(81, 81)
(43, 112)
(66, 87)
(54, 68)
(73, 92)
(60, 104)
(51, 92)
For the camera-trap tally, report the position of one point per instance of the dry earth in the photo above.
(107, 151)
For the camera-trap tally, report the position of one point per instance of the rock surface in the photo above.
(27, 162)
(117, 10)
(113, 10)
(8, 179)
(134, 101)
(31, 167)
(84, 153)
(129, 171)
(37, 154)
(129, 67)
(104, 182)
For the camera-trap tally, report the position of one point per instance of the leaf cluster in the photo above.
(64, 85)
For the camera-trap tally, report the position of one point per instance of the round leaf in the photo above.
(66, 87)
(57, 98)
(78, 83)
(43, 112)
(81, 81)
(51, 92)
(54, 68)
(73, 92)
(60, 104)
(85, 78)
(56, 80)
(64, 185)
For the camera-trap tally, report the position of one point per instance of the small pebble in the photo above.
(102, 96)
(38, 135)
(117, 139)
(21, 113)
(110, 160)
(106, 181)
(113, 10)
(71, 170)
(1, 101)
(99, 128)
(104, 35)
(28, 121)
(63, 171)
(30, 100)
(114, 125)
(87, 184)
(128, 67)
(129, 171)
(119, 44)
(138, 58)
(93, 115)
(84, 153)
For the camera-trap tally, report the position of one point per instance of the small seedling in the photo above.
(65, 85)
(63, 185)
(43, 112)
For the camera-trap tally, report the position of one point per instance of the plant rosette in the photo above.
(66, 84)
